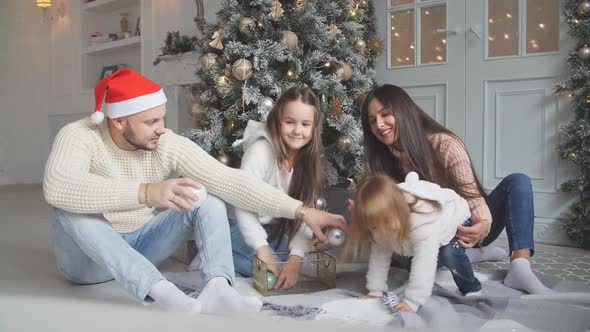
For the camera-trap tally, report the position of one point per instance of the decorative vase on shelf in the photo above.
(124, 22)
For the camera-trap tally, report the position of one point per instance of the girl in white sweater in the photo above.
(286, 153)
(414, 218)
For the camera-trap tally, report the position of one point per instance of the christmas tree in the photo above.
(259, 48)
(575, 137)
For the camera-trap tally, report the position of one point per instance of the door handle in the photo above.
(474, 31)
(448, 31)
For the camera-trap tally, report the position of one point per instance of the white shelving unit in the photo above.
(104, 16)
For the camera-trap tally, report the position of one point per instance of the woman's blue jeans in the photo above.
(511, 205)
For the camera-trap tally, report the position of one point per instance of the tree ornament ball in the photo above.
(201, 193)
(360, 45)
(584, 7)
(247, 25)
(344, 143)
(290, 39)
(242, 69)
(336, 237)
(321, 204)
(584, 52)
(208, 60)
(265, 104)
(271, 280)
(223, 158)
(345, 72)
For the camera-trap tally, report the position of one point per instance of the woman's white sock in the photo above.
(521, 277)
(487, 253)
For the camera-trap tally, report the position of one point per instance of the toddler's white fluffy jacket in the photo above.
(429, 230)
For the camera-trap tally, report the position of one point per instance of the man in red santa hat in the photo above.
(123, 191)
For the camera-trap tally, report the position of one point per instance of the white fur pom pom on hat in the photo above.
(97, 117)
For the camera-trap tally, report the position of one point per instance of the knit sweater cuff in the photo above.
(128, 195)
(287, 210)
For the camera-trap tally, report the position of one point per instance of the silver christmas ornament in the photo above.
(321, 204)
(344, 143)
(336, 237)
(265, 104)
(360, 45)
(584, 52)
(223, 158)
(584, 7)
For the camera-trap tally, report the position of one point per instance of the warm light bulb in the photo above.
(541, 25)
(43, 3)
(508, 15)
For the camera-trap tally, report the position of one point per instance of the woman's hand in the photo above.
(289, 273)
(265, 254)
(469, 236)
(403, 306)
(316, 220)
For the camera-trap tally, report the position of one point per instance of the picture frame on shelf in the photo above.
(107, 70)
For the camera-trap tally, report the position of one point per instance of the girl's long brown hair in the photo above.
(378, 204)
(307, 181)
(412, 125)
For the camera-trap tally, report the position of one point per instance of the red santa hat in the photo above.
(123, 93)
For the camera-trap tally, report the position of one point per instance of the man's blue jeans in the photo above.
(511, 205)
(88, 250)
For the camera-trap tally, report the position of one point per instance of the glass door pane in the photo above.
(432, 43)
(542, 27)
(503, 30)
(401, 2)
(402, 38)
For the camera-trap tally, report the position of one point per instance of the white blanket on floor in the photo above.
(498, 308)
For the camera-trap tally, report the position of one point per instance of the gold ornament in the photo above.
(289, 40)
(584, 7)
(216, 43)
(584, 52)
(299, 4)
(276, 11)
(335, 107)
(246, 25)
(344, 72)
(208, 60)
(222, 80)
(223, 158)
(376, 45)
(242, 69)
(344, 143)
(334, 30)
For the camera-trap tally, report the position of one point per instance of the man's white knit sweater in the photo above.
(259, 160)
(430, 229)
(88, 174)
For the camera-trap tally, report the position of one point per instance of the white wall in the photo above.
(40, 76)
(24, 91)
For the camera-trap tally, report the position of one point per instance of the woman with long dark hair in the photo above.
(399, 138)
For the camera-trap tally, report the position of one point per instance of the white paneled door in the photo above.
(486, 69)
